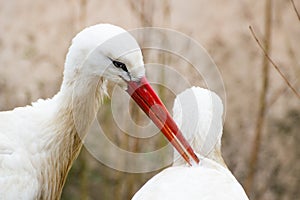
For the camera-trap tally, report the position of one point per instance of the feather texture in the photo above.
(39, 143)
(198, 113)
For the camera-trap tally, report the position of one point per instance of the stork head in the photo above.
(105, 51)
(109, 52)
(198, 112)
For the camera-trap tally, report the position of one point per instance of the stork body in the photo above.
(39, 143)
(37, 149)
(199, 115)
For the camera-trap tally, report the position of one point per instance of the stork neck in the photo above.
(78, 102)
(83, 96)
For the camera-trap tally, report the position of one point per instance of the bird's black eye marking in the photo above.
(120, 65)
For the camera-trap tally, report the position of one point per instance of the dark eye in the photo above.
(120, 65)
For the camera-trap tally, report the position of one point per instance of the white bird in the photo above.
(39, 143)
(199, 114)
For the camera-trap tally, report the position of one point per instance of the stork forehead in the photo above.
(97, 34)
(120, 46)
(132, 59)
(108, 40)
(111, 40)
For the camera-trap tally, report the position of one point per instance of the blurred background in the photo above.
(261, 132)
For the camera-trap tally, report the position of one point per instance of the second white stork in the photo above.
(39, 143)
(199, 114)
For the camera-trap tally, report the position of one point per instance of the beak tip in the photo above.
(144, 95)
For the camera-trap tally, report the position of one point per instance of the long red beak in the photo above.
(144, 95)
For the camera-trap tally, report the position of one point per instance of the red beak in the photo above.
(144, 95)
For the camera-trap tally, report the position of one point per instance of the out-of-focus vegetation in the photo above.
(35, 36)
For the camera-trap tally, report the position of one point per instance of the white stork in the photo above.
(199, 114)
(39, 143)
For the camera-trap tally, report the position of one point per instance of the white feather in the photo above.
(38, 143)
(198, 113)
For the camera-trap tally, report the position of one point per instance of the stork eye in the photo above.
(120, 65)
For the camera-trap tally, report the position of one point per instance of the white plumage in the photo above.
(199, 115)
(39, 143)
